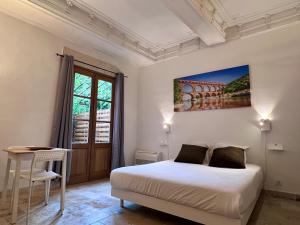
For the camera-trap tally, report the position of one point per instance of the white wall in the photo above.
(274, 60)
(28, 78)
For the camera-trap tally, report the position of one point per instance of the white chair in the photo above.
(43, 175)
(24, 172)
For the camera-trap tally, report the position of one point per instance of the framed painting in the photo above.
(222, 89)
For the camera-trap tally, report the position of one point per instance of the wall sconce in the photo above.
(265, 124)
(167, 128)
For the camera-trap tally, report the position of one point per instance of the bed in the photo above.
(200, 193)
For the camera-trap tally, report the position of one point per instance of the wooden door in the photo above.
(92, 125)
(100, 161)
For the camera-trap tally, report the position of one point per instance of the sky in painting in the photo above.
(220, 76)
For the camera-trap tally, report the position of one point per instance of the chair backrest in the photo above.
(49, 155)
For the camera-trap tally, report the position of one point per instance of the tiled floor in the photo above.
(91, 203)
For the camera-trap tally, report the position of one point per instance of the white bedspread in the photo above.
(227, 192)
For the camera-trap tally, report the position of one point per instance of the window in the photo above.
(81, 108)
(92, 107)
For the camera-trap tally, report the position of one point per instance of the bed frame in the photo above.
(186, 212)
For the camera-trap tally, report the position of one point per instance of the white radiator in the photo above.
(145, 157)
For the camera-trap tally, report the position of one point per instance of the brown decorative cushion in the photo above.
(191, 154)
(228, 157)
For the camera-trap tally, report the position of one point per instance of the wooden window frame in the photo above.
(91, 148)
(95, 76)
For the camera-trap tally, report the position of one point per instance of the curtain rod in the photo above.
(91, 65)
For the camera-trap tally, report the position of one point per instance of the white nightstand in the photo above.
(145, 157)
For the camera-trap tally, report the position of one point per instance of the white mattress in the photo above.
(227, 192)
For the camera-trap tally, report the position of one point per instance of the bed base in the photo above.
(185, 212)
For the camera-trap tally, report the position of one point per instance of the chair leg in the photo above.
(62, 196)
(29, 201)
(46, 186)
(47, 190)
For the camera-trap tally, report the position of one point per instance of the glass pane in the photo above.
(82, 85)
(104, 90)
(81, 108)
(102, 133)
(80, 132)
(103, 111)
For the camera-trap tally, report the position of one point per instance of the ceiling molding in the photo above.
(201, 17)
(233, 20)
(99, 31)
(70, 11)
(112, 23)
(269, 22)
(210, 12)
(77, 12)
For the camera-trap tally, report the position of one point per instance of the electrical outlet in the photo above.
(164, 143)
(275, 147)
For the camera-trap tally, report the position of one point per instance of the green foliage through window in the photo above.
(82, 100)
(82, 85)
(81, 107)
(104, 90)
(103, 105)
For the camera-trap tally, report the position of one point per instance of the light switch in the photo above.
(275, 147)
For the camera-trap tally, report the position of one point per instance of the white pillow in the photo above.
(201, 143)
(223, 145)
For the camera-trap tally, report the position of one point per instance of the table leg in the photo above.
(16, 191)
(4, 192)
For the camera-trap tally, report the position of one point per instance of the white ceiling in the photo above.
(242, 11)
(146, 31)
(149, 19)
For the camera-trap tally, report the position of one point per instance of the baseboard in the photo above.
(279, 194)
